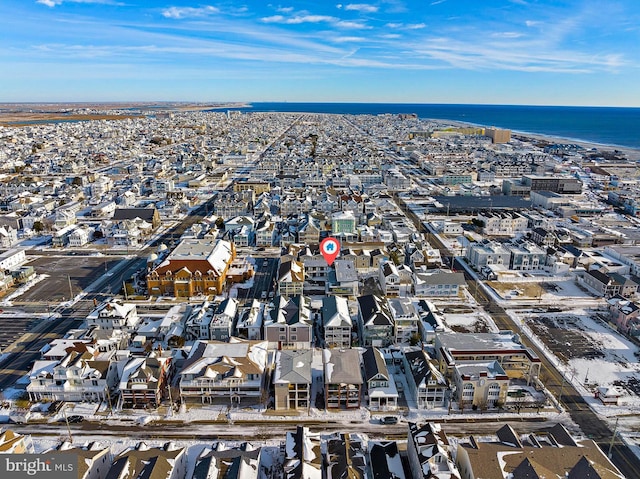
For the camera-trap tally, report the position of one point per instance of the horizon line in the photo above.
(332, 102)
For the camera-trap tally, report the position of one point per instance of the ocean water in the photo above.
(603, 125)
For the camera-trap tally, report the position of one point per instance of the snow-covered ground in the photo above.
(475, 321)
(23, 289)
(609, 359)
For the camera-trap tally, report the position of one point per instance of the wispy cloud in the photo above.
(298, 19)
(437, 2)
(53, 3)
(347, 39)
(361, 7)
(528, 56)
(350, 25)
(506, 35)
(284, 9)
(410, 26)
(185, 12)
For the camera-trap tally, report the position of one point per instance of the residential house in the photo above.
(141, 461)
(526, 256)
(515, 359)
(480, 384)
(93, 461)
(376, 320)
(361, 258)
(406, 320)
(194, 267)
(625, 315)
(144, 381)
(378, 256)
(265, 233)
(427, 385)
(292, 379)
(343, 225)
(487, 253)
(12, 259)
(8, 237)
(315, 272)
(221, 324)
(309, 232)
(438, 283)
(543, 237)
(389, 278)
(79, 376)
(345, 457)
(287, 323)
(343, 280)
(556, 454)
(303, 458)
(80, 237)
(430, 322)
(228, 463)
(148, 215)
(609, 284)
(342, 378)
(385, 460)
(416, 257)
(336, 321)
(129, 233)
(381, 388)
(502, 223)
(226, 371)
(13, 443)
(290, 278)
(114, 314)
(249, 325)
(429, 453)
(197, 324)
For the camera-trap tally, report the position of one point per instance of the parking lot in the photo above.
(81, 271)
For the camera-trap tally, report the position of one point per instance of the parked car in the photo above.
(389, 420)
(75, 419)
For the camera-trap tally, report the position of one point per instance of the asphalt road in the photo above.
(276, 429)
(98, 278)
(262, 281)
(589, 422)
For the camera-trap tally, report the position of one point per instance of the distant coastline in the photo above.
(592, 127)
(604, 127)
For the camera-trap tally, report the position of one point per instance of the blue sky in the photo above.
(442, 51)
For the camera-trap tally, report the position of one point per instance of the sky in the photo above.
(523, 52)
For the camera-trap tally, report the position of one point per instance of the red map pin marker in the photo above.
(330, 248)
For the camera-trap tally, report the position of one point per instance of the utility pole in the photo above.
(561, 389)
(66, 419)
(70, 289)
(613, 438)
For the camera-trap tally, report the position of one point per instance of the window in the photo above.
(494, 391)
(467, 391)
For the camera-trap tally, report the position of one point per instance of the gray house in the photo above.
(336, 321)
(378, 325)
(292, 379)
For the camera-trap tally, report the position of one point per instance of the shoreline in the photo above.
(632, 153)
